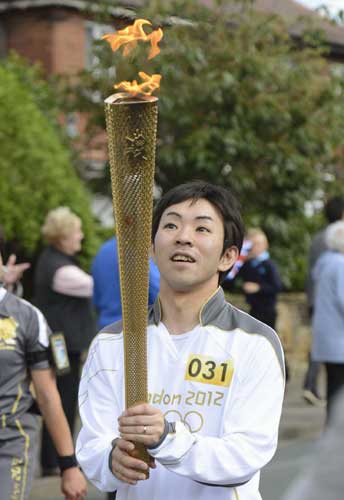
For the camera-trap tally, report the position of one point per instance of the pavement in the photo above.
(300, 420)
(300, 423)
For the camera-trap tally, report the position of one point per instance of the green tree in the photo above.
(36, 170)
(241, 104)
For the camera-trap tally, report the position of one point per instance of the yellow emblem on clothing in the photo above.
(8, 327)
(208, 370)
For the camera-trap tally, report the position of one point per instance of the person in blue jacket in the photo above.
(106, 292)
(328, 317)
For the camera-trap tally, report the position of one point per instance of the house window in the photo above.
(72, 125)
(94, 32)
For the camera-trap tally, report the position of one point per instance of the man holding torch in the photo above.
(194, 389)
(215, 374)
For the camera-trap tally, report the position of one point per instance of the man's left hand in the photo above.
(142, 424)
(251, 287)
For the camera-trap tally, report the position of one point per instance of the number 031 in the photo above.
(209, 371)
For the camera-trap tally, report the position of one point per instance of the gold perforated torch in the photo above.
(131, 122)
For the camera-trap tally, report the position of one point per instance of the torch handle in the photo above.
(141, 453)
(131, 128)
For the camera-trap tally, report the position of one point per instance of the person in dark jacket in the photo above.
(261, 279)
(63, 292)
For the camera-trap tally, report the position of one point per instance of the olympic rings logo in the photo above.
(192, 420)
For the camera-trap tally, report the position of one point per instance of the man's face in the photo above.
(259, 245)
(188, 247)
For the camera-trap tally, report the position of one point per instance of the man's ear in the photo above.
(228, 258)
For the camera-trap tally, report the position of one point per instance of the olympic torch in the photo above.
(131, 123)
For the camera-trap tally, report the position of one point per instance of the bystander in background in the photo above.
(261, 279)
(328, 317)
(24, 358)
(63, 292)
(107, 293)
(11, 271)
(333, 211)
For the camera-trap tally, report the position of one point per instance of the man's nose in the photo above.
(184, 236)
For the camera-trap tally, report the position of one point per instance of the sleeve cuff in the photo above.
(167, 429)
(114, 442)
(174, 446)
(108, 478)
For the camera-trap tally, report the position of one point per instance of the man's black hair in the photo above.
(219, 197)
(334, 209)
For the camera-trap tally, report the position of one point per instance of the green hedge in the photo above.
(36, 168)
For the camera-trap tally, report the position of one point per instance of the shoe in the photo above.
(313, 399)
(50, 471)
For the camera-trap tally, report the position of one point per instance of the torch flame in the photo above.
(150, 83)
(129, 37)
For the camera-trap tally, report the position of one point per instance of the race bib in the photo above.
(208, 370)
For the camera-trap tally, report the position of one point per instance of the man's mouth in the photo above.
(182, 258)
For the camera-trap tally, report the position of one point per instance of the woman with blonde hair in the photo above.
(63, 292)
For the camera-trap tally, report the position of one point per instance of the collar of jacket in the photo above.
(257, 260)
(208, 312)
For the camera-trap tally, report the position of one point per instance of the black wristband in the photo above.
(67, 462)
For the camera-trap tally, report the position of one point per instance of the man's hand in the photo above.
(250, 287)
(142, 424)
(125, 467)
(14, 271)
(73, 484)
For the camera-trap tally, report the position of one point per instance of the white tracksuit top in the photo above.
(225, 389)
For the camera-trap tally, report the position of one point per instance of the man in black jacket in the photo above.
(261, 280)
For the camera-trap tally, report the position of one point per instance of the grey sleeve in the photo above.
(37, 339)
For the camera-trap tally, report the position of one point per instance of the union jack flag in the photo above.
(246, 247)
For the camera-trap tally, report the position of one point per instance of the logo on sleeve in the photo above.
(8, 327)
(208, 370)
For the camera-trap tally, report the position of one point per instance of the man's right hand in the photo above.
(125, 467)
(14, 271)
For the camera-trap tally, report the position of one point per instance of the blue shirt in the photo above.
(106, 294)
(328, 318)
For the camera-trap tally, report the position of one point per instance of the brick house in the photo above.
(59, 34)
